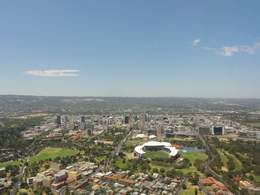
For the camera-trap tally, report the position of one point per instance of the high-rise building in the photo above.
(126, 119)
(218, 130)
(82, 126)
(65, 121)
(204, 130)
(90, 132)
(58, 120)
(82, 119)
(159, 131)
(145, 117)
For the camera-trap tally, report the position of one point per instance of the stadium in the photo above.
(156, 146)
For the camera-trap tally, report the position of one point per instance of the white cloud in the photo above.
(251, 49)
(52, 73)
(229, 51)
(196, 41)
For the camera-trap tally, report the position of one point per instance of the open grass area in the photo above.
(257, 178)
(253, 124)
(188, 170)
(134, 142)
(10, 163)
(193, 155)
(224, 159)
(38, 114)
(120, 164)
(158, 167)
(180, 139)
(190, 190)
(52, 153)
(238, 164)
(28, 191)
(156, 154)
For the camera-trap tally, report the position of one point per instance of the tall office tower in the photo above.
(65, 121)
(90, 132)
(204, 130)
(58, 120)
(230, 124)
(218, 130)
(126, 119)
(145, 117)
(82, 119)
(82, 126)
(159, 130)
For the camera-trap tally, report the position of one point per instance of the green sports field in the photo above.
(10, 163)
(156, 154)
(52, 153)
(193, 155)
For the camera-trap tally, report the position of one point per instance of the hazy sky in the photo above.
(190, 48)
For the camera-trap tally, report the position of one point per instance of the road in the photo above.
(17, 184)
(203, 189)
(211, 159)
(184, 181)
(117, 149)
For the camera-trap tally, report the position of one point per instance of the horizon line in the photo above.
(132, 96)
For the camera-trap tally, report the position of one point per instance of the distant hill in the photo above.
(18, 105)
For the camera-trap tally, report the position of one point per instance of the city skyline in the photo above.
(130, 48)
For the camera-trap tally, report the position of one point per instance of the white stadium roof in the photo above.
(139, 150)
(173, 150)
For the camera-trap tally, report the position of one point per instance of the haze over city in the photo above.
(130, 48)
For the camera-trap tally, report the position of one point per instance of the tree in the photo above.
(24, 185)
(251, 177)
(14, 179)
(194, 180)
(162, 170)
(155, 170)
(67, 192)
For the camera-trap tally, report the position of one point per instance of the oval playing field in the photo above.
(156, 155)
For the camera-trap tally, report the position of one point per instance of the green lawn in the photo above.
(156, 154)
(134, 142)
(158, 167)
(10, 163)
(238, 164)
(52, 153)
(190, 190)
(188, 170)
(120, 164)
(257, 178)
(224, 159)
(253, 124)
(193, 155)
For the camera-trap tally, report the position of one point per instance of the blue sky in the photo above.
(134, 48)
